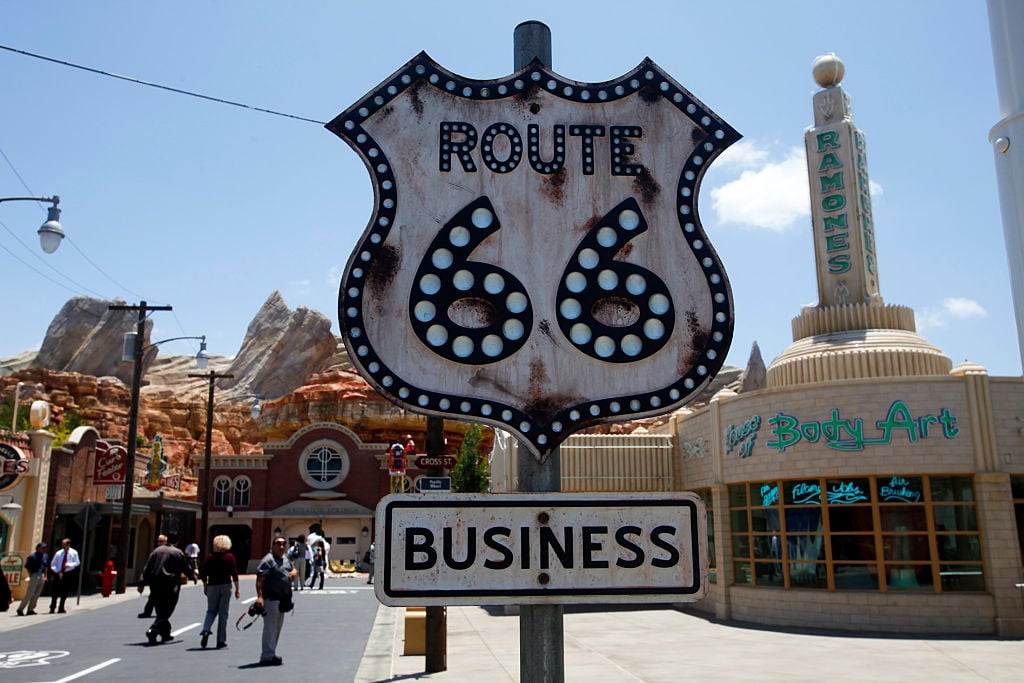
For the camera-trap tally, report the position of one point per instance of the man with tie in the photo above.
(64, 568)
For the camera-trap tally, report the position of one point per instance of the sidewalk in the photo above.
(666, 645)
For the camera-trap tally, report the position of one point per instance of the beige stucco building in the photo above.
(871, 486)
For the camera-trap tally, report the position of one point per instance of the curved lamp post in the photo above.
(135, 354)
(51, 232)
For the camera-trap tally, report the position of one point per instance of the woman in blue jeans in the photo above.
(219, 572)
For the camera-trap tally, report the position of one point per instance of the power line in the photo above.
(161, 87)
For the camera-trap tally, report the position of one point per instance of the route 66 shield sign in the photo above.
(535, 260)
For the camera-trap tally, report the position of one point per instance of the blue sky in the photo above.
(209, 208)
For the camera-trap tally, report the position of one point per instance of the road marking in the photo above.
(88, 671)
(184, 628)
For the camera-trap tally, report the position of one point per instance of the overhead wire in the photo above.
(137, 81)
(150, 84)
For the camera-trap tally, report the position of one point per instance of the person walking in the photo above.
(298, 554)
(162, 574)
(64, 569)
(192, 550)
(370, 558)
(318, 565)
(147, 610)
(36, 565)
(274, 576)
(219, 572)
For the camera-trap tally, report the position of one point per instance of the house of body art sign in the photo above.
(842, 433)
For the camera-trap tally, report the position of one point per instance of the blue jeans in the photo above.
(218, 598)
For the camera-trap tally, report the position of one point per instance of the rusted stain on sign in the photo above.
(486, 549)
(535, 259)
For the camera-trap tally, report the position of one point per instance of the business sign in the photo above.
(11, 566)
(153, 478)
(490, 549)
(444, 461)
(433, 484)
(13, 465)
(111, 464)
(535, 260)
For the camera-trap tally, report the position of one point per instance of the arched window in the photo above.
(221, 492)
(242, 486)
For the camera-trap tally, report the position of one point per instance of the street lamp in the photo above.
(17, 400)
(51, 232)
(138, 348)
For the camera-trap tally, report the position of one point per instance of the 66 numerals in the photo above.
(475, 313)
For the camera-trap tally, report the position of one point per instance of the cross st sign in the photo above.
(535, 260)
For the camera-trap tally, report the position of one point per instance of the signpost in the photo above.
(434, 484)
(555, 548)
(429, 461)
(535, 261)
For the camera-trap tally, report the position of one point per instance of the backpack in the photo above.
(293, 552)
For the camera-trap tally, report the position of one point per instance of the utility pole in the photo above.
(212, 376)
(124, 541)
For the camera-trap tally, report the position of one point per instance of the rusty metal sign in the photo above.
(558, 548)
(535, 260)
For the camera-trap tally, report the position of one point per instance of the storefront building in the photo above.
(871, 486)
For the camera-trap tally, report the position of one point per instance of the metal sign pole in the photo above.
(541, 634)
(437, 616)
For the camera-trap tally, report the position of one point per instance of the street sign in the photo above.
(434, 484)
(445, 461)
(535, 260)
(558, 548)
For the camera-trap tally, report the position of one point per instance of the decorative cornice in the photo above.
(857, 354)
(816, 320)
(287, 445)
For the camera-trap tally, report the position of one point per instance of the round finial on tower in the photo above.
(828, 70)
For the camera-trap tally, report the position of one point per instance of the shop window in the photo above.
(222, 492)
(1017, 486)
(242, 487)
(893, 533)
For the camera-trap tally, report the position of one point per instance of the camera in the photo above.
(255, 610)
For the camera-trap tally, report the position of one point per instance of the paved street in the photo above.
(103, 640)
(343, 634)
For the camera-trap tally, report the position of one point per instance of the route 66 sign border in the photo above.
(541, 422)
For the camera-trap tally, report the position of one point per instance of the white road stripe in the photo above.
(88, 671)
(185, 628)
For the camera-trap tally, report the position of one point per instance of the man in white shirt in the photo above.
(192, 551)
(64, 569)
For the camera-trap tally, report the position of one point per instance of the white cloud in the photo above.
(769, 194)
(300, 287)
(744, 154)
(954, 307)
(334, 275)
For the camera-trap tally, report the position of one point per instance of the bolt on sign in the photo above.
(535, 260)
(492, 549)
